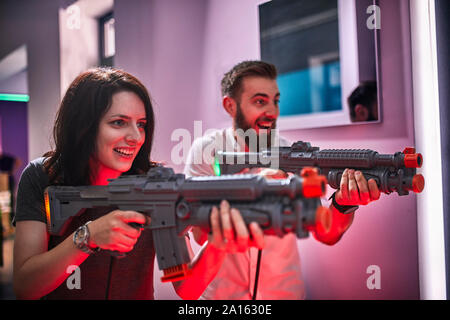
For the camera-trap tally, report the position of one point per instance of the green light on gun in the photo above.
(216, 167)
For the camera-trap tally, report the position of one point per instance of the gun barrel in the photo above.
(249, 187)
(337, 158)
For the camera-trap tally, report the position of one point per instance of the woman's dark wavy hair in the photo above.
(75, 131)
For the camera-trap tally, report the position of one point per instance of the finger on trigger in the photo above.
(242, 235)
(215, 225)
(363, 187)
(257, 235)
(373, 189)
(344, 184)
(225, 219)
(353, 187)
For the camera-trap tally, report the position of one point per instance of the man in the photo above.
(363, 102)
(251, 97)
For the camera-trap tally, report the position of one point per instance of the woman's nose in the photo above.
(134, 135)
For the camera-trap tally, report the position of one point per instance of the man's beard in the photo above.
(263, 138)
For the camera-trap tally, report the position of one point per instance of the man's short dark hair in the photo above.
(232, 81)
(365, 94)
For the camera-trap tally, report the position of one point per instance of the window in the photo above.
(301, 38)
(107, 40)
(323, 50)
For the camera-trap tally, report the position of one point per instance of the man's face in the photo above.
(257, 107)
(374, 111)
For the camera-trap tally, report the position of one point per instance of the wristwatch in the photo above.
(342, 209)
(81, 239)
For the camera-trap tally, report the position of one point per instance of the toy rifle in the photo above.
(392, 172)
(176, 203)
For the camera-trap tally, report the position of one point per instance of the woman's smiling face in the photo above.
(121, 133)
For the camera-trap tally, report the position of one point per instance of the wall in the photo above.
(14, 132)
(78, 42)
(35, 24)
(15, 84)
(181, 51)
(161, 43)
(427, 115)
(383, 233)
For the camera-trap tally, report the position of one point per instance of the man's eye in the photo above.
(277, 102)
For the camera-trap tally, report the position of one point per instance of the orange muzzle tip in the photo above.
(314, 185)
(413, 160)
(418, 183)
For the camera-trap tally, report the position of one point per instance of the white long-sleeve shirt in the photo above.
(280, 276)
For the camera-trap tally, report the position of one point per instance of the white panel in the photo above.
(427, 134)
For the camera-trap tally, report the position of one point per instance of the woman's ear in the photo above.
(229, 104)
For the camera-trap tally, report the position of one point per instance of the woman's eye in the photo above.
(118, 122)
(142, 125)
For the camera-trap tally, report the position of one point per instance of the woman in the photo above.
(104, 128)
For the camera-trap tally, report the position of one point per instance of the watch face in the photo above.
(80, 235)
(81, 238)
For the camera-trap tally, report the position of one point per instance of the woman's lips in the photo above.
(125, 152)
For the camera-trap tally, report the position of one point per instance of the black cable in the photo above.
(108, 281)
(258, 265)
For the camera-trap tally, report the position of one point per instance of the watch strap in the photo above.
(340, 208)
